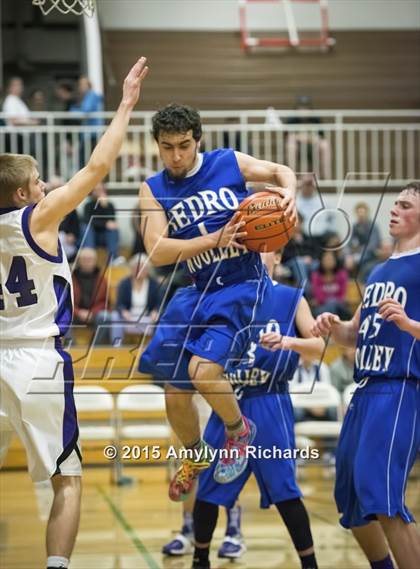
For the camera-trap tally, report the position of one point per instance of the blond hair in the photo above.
(15, 172)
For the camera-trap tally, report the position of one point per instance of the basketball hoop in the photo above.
(77, 7)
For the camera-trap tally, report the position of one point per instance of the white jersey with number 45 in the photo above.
(36, 297)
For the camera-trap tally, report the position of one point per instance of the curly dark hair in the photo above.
(177, 119)
(413, 187)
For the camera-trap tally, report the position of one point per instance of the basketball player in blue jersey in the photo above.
(36, 375)
(261, 386)
(188, 215)
(380, 438)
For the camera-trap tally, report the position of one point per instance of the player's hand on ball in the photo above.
(231, 234)
(272, 341)
(323, 324)
(288, 202)
(133, 81)
(392, 311)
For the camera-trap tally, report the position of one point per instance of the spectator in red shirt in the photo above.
(90, 294)
(329, 286)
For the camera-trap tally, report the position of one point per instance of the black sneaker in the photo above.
(200, 564)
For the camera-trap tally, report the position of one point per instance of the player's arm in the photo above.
(343, 333)
(58, 203)
(392, 311)
(281, 177)
(307, 345)
(164, 250)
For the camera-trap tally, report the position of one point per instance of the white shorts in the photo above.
(36, 403)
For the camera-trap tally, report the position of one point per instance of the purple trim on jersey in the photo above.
(70, 426)
(64, 313)
(7, 209)
(34, 246)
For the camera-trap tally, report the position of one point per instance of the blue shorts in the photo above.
(217, 325)
(276, 477)
(378, 445)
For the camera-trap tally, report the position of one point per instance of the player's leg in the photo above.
(276, 478)
(210, 493)
(205, 520)
(207, 378)
(403, 539)
(296, 519)
(184, 419)
(64, 519)
(182, 415)
(46, 423)
(390, 453)
(372, 541)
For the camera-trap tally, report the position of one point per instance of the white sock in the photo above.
(57, 562)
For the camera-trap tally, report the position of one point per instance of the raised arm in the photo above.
(164, 250)
(281, 177)
(58, 203)
(343, 333)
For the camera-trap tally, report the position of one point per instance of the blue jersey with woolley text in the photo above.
(201, 203)
(383, 350)
(265, 371)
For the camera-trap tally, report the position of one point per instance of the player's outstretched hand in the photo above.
(392, 311)
(231, 234)
(288, 202)
(323, 324)
(133, 81)
(272, 341)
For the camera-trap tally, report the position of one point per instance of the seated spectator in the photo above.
(341, 370)
(138, 301)
(101, 225)
(318, 223)
(365, 242)
(306, 373)
(313, 144)
(385, 250)
(90, 294)
(301, 255)
(341, 249)
(329, 287)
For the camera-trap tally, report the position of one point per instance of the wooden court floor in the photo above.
(125, 527)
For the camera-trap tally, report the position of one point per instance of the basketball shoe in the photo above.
(183, 481)
(234, 461)
(182, 544)
(233, 545)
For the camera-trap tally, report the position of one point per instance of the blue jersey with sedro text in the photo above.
(201, 203)
(383, 350)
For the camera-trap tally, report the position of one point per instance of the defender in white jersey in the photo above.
(36, 374)
(380, 438)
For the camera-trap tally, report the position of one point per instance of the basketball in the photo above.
(267, 227)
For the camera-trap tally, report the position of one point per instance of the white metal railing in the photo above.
(362, 147)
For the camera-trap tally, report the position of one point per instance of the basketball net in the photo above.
(77, 7)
